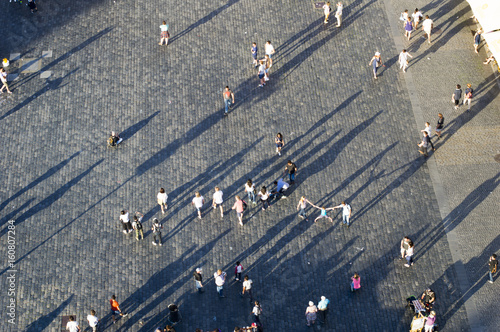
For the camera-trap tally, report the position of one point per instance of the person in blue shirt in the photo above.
(323, 213)
(323, 308)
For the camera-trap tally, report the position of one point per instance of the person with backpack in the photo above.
(157, 232)
(346, 212)
(137, 225)
(240, 206)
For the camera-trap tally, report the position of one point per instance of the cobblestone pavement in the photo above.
(352, 138)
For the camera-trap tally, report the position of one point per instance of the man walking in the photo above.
(217, 201)
(125, 219)
(198, 279)
(291, 168)
(427, 26)
(346, 212)
(493, 265)
(156, 228)
(220, 280)
(403, 60)
(338, 14)
(455, 97)
(247, 287)
(93, 320)
(115, 308)
(323, 309)
(269, 49)
(198, 202)
(404, 246)
(137, 225)
(228, 97)
(422, 146)
(72, 325)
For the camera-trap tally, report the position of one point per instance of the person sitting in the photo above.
(114, 139)
(281, 187)
(428, 298)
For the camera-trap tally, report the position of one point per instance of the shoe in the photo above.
(161, 244)
(125, 314)
(241, 224)
(254, 203)
(407, 265)
(137, 239)
(199, 217)
(301, 217)
(263, 209)
(279, 153)
(283, 197)
(261, 86)
(348, 225)
(266, 79)
(490, 281)
(154, 243)
(225, 114)
(222, 216)
(124, 232)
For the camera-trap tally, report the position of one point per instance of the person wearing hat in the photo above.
(198, 280)
(311, 313)
(323, 309)
(375, 62)
(429, 321)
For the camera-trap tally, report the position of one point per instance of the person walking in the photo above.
(264, 197)
(439, 126)
(125, 219)
(217, 201)
(250, 190)
(404, 246)
(338, 14)
(417, 16)
(468, 95)
(247, 287)
(477, 40)
(162, 200)
(115, 308)
(280, 142)
(326, 11)
(430, 321)
(455, 97)
(156, 228)
(198, 279)
(409, 254)
(254, 51)
(311, 313)
(93, 321)
(291, 168)
(423, 146)
(72, 325)
(238, 269)
(269, 49)
(355, 282)
(269, 64)
(228, 97)
(198, 202)
(375, 62)
(403, 60)
(256, 312)
(137, 226)
(3, 78)
(346, 212)
(428, 130)
(323, 309)
(220, 280)
(493, 266)
(301, 207)
(239, 206)
(404, 17)
(323, 213)
(427, 26)
(408, 28)
(164, 34)
(262, 73)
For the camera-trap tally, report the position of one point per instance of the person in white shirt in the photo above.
(338, 14)
(262, 73)
(220, 280)
(72, 325)
(247, 287)
(264, 196)
(93, 320)
(326, 10)
(124, 218)
(403, 60)
(269, 49)
(346, 212)
(427, 26)
(162, 200)
(250, 190)
(417, 16)
(198, 202)
(217, 201)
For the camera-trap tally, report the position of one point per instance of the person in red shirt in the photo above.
(115, 308)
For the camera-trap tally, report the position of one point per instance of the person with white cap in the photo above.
(198, 278)
(323, 308)
(311, 313)
(376, 62)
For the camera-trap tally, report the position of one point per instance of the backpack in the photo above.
(111, 141)
(245, 205)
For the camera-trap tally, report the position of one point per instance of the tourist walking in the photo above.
(323, 309)
(264, 197)
(375, 62)
(269, 49)
(493, 266)
(269, 64)
(455, 97)
(198, 202)
(239, 206)
(409, 254)
(355, 282)
(423, 146)
(477, 40)
(164, 34)
(3, 78)
(404, 17)
(338, 14)
(115, 308)
(250, 190)
(228, 97)
(291, 168)
(346, 212)
(247, 287)
(403, 60)
(262, 73)
(162, 200)
(93, 321)
(326, 11)
(468, 95)
(72, 325)
(280, 142)
(417, 16)
(137, 226)
(439, 125)
(427, 26)
(301, 207)
(220, 280)
(238, 269)
(254, 51)
(156, 228)
(404, 246)
(125, 219)
(217, 201)
(256, 312)
(198, 280)
(311, 312)
(428, 130)
(408, 28)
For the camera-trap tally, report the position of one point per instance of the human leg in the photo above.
(227, 103)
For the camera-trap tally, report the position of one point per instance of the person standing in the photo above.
(164, 34)
(198, 202)
(430, 321)
(124, 218)
(468, 95)
(239, 207)
(280, 142)
(156, 228)
(254, 51)
(417, 16)
(250, 190)
(220, 280)
(198, 279)
(404, 246)
(93, 320)
(346, 212)
(137, 225)
(162, 200)
(269, 49)
(115, 308)
(262, 73)
(408, 28)
(404, 17)
(3, 78)
(238, 269)
(217, 201)
(311, 313)
(301, 207)
(269, 64)
(256, 312)
(493, 266)
(264, 198)
(338, 14)
(403, 60)
(477, 40)
(424, 144)
(228, 97)
(455, 97)
(409, 254)
(72, 325)
(323, 309)
(427, 26)
(326, 11)
(247, 287)
(291, 168)
(375, 62)
(355, 282)
(439, 125)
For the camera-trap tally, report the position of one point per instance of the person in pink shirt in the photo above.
(238, 206)
(356, 282)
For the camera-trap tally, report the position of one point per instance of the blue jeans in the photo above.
(251, 196)
(227, 103)
(220, 290)
(491, 276)
(302, 213)
(409, 260)
(345, 219)
(291, 177)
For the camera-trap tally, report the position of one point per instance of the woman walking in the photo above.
(409, 254)
(355, 282)
(250, 189)
(162, 200)
(408, 28)
(375, 62)
(311, 313)
(164, 35)
(264, 196)
(301, 207)
(278, 140)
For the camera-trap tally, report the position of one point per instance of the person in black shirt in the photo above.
(428, 298)
(291, 168)
(198, 278)
(439, 125)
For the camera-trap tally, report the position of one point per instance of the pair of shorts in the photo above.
(161, 202)
(261, 76)
(279, 145)
(254, 56)
(239, 214)
(113, 312)
(217, 205)
(439, 130)
(423, 149)
(457, 102)
(165, 34)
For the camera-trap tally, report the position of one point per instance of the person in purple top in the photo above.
(408, 28)
(429, 321)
